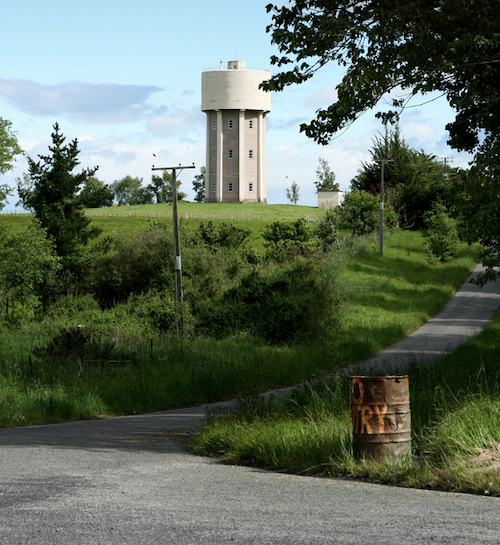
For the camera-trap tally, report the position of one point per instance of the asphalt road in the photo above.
(130, 480)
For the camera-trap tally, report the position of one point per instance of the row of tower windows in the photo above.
(230, 187)
(230, 154)
(230, 124)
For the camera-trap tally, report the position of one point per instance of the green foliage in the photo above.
(9, 147)
(326, 177)
(298, 302)
(199, 185)
(52, 192)
(5, 190)
(27, 260)
(132, 264)
(441, 236)
(129, 191)
(383, 47)
(361, 212)
(284, 239)
(293, 193)
(413, 180)
(96, 194)
(223, 235)
(163, 189)
(327, 232)
(478, 203)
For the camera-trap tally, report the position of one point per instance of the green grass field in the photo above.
(134, 218)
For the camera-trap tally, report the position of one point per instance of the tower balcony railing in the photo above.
(222, 68)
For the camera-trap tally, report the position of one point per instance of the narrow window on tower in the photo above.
(213, 154)
(230, 186)
(230, 153)
(250, 153)
(214, 125)
(230, 124)
(213, 188)
(250, 186)
(250, 123)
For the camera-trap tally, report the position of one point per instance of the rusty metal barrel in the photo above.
(381, 418)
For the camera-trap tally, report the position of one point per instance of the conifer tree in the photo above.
(51, 191)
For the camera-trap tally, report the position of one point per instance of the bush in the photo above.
(132, 264)
(361, 213)
(293, 303)
(224, 235)
(286, 239)
(327, 231)
(442, 235)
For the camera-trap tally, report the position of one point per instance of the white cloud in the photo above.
(176, 122)
(101, 103)
(323, 97)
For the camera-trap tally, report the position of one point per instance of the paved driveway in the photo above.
(130, 480)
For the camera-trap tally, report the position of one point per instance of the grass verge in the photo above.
(125, 368)
(455, 408)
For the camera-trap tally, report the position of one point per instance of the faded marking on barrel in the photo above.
(381, 418)
(380, 415)
(362, 414)
(357, 397)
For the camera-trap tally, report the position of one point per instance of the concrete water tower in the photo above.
(236, 133)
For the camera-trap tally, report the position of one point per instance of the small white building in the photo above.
(330, 199)
(236, 133)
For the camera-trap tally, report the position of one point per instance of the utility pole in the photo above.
(177, 240)
(381, 242)
(447, 160)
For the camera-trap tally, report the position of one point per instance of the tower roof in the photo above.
(234, 88)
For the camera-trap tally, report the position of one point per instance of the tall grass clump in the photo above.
(455, 408)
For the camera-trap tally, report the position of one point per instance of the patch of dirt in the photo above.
(489, 459)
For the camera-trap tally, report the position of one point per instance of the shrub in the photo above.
(286, 239)
(441, 235)
(132, 264)
(361, 213)
(327, 231)
(296, 302)
(223, 235)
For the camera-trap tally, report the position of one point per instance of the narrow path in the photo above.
(469, 311)
(130, 480)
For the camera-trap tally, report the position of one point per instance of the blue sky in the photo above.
(124, 77)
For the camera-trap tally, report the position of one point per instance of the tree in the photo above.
(5, 190)
(293, 193)
(448, 46)
(51, 191)
(360, 212)
(199, 185)
(9, 146)
(385, 45)
(478, 201)
(326, 177)
(129, 191)
(96, 194)
(163, 189)
(26, 260)
(414, 180)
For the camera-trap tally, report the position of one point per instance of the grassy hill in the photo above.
(133, 218)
